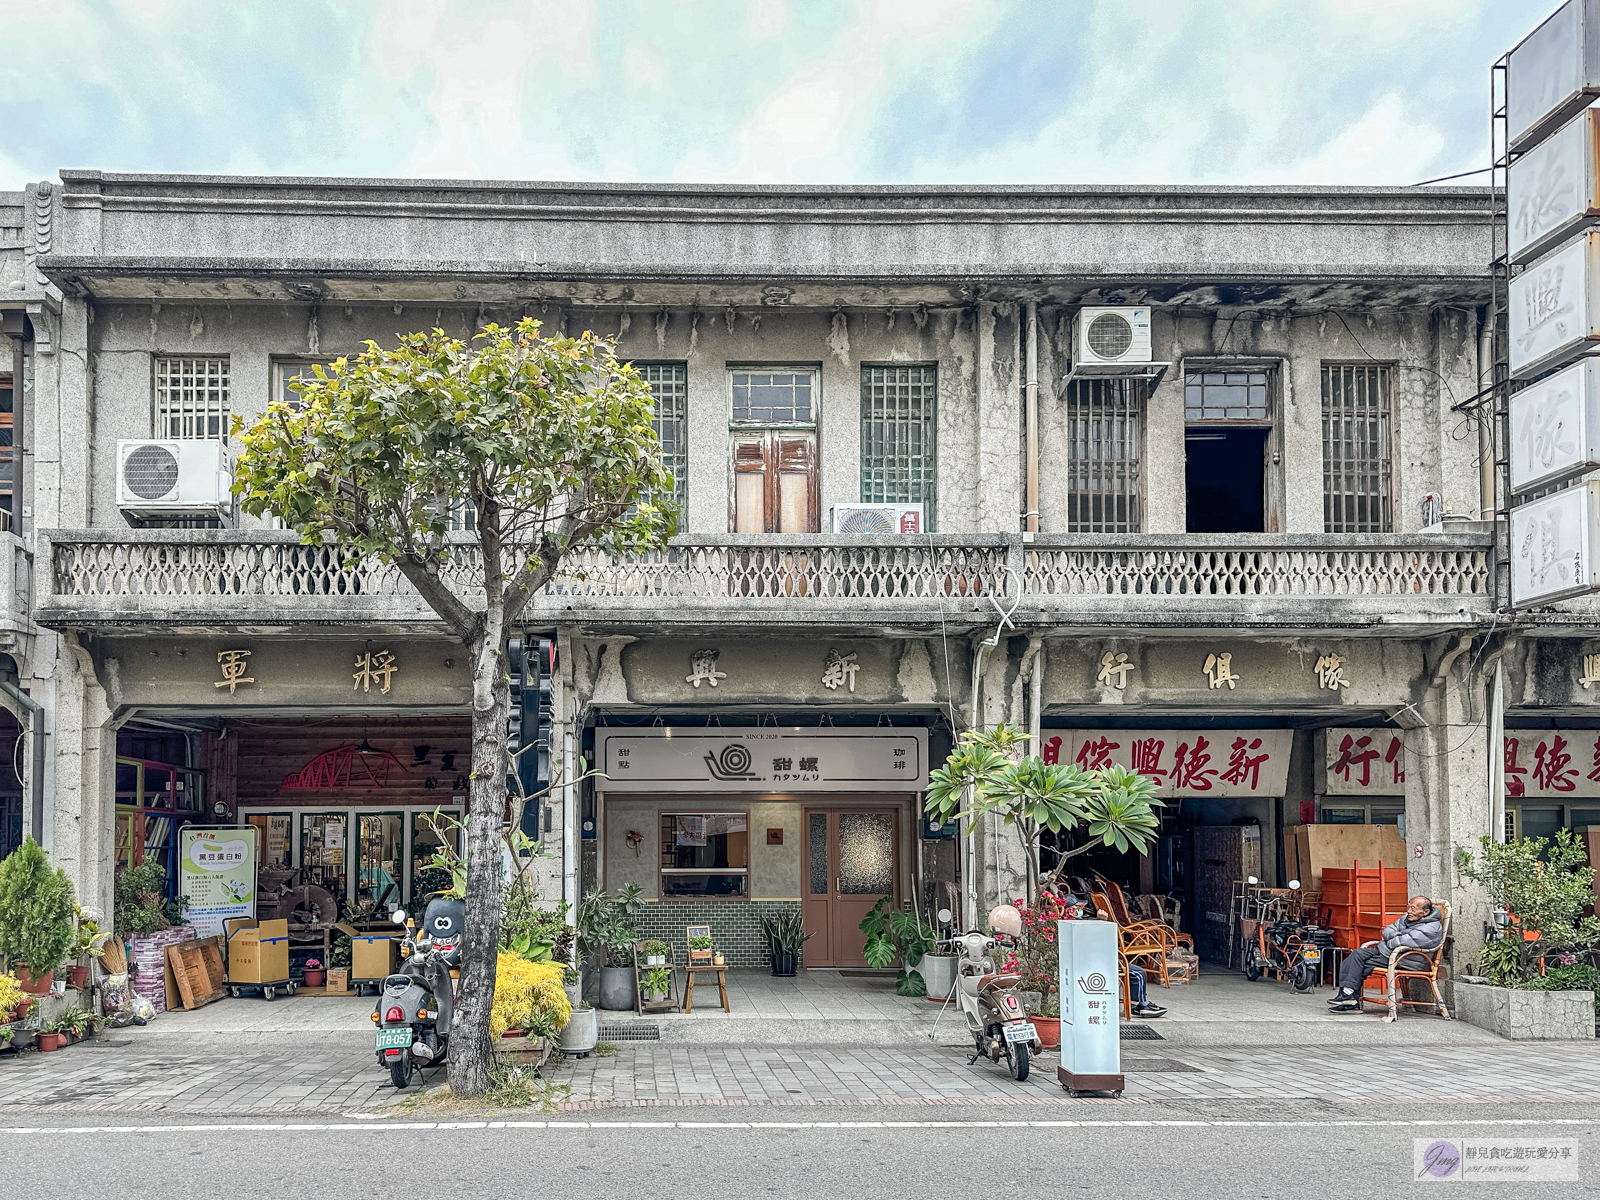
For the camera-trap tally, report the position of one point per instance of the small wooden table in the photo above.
(707, 969)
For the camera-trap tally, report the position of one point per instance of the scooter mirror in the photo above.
(1295, 884)
(1252, 881)
(398, 916)
(944, 916)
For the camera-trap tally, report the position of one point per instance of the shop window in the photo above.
(1357, 449)
(192, 398)
(324, 839)
(1229, 444)
(898, 460)
(1351, 815)
(1583, 818)
(1539, 822)
(153, 801)
(1364, 814)
(378, 884)
(428, 834)
(1104, 420)
(705, 856)
(274, 841)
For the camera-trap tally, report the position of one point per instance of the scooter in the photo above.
(417, 1003)
(1289, 949)
(995, 1017)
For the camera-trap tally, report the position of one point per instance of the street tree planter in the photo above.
(1526, 1014)
(514, 1046)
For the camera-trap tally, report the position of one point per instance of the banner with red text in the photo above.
(1185, 762)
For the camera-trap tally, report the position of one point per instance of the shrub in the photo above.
(528, 996)
(37, 910)
(1544, 884)
(141, 905)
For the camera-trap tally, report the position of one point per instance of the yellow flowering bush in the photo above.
(14, 1003)
(528, 995)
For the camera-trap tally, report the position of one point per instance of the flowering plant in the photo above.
(313, 964)
(1037, 955)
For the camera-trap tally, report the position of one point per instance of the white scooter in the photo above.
(995, 1017)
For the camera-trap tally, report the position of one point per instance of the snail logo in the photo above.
(1093, 984)
(732, 762)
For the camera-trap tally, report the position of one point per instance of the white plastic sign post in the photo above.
(1091, 1056)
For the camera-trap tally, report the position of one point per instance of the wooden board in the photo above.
(194, 972)
(1343, 845)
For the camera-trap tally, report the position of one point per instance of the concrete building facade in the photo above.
(1261, 575)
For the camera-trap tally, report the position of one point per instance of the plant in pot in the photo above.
(315, 975)
(1037, 958)
(700, 945)
(655, 953)
(607, 930)
(15, 1004)
(784, 935)
(897, 933)
(581, 1033)
(37, 933)
(655, 983)
(91, 943)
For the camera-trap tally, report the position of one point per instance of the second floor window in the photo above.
(898, 463)
(1231, 481)
(1357, 448)
(772, 429)
(669, 384)
(1104, 451)
(192, 398)
(289, 371)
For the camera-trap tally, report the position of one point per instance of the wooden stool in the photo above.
(694, 969)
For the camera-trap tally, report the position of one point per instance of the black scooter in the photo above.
(417, 1003)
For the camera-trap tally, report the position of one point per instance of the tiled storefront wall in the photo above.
(735, 926)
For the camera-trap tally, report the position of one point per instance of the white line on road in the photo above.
(387, 1126)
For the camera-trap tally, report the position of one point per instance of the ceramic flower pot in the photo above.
(315, 977)
(34, 985)
(1049, 1031)
(616, 988)
(49, 1041)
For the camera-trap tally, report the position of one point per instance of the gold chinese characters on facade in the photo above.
(703, 668)
(1591, 670)
(233, 665)
(375, 666)
(1219, 671)
(1330, 672)
(838, 669)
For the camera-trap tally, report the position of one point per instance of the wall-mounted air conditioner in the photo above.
(1112, 342)
(876, 518)
(182, 478)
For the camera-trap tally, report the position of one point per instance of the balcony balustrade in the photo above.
(233, 578)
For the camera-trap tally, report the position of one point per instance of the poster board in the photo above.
(217, 872)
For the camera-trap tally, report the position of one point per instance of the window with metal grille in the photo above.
(1104, 419)
(773, 397)
(1357, 448)
(669, 384)
(1227, 396)
(898, 440)
(192, 398)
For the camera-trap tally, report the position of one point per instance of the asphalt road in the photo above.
(1204, 1149)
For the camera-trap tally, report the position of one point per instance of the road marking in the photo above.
(342, 1127)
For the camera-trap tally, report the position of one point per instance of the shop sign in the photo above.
(217, 871)
(1091, 1050)
(1364, 762)
(1554, 307)
(1185, 762)
(1552, 545)
(766, 759)
(1554, 187)
(1548, 764)
(1555, 427)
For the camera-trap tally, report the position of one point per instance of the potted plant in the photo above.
(784, 934)
(49, 1038)
(655, 983)
(897, 933)
(1037, 958)
(716, 958)
(655, 953)
(315, 975)
(76, 1024)
(91, 943)
(530, 1007)
(151, 923)
(700, 946)
(36, 916)
(607, 930)
(581, 1033)
(15, 1004)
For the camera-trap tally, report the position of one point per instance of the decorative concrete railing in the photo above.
(124, 576)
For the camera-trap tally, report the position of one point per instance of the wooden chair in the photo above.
(1406, 965)
(700, 964)
(1118, 908)
(1140, 942)
(1127, 987)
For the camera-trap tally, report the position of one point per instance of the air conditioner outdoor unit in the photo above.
(1111, 342)
(876, 518)
(183, 478)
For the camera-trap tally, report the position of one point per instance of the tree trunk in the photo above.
(471, 1055)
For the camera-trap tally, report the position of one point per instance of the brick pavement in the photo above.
(308, 1073)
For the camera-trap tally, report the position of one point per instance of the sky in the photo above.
(757, 91)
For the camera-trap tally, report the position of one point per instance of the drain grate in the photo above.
(1138, 1033)
(631, 1031)
(1158, 1066)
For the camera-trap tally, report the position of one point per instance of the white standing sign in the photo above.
(1554, 188)
(1554, 307)
(1552, 546)
(766, 759)
(1090, 983)
(1555, 427)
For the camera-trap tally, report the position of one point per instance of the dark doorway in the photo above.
(1226, 480)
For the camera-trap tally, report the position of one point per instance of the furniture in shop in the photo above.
(640, 1004)
(1140, 943)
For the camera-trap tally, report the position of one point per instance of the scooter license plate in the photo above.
(1313, 955)
(394, 1039)
(1021, 1031)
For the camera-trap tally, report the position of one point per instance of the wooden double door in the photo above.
(851, 861)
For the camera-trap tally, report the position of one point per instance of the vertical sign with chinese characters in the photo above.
(1091, 1056)
(218, 874)
(1183, 762)
(1364, 762)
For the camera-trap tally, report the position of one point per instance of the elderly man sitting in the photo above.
(1422, 928)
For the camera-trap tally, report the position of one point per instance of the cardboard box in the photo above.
(258, 951)
(338, 981)
(373, 955)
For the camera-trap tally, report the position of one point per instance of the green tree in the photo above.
(1544, 884)
(37, 907)
(988, 772)
(547, 444)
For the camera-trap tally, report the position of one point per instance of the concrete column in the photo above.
(1300, 434)
(84, 744)
(999, 420)
(708, 506)
(1166, 508)
(839, 416)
